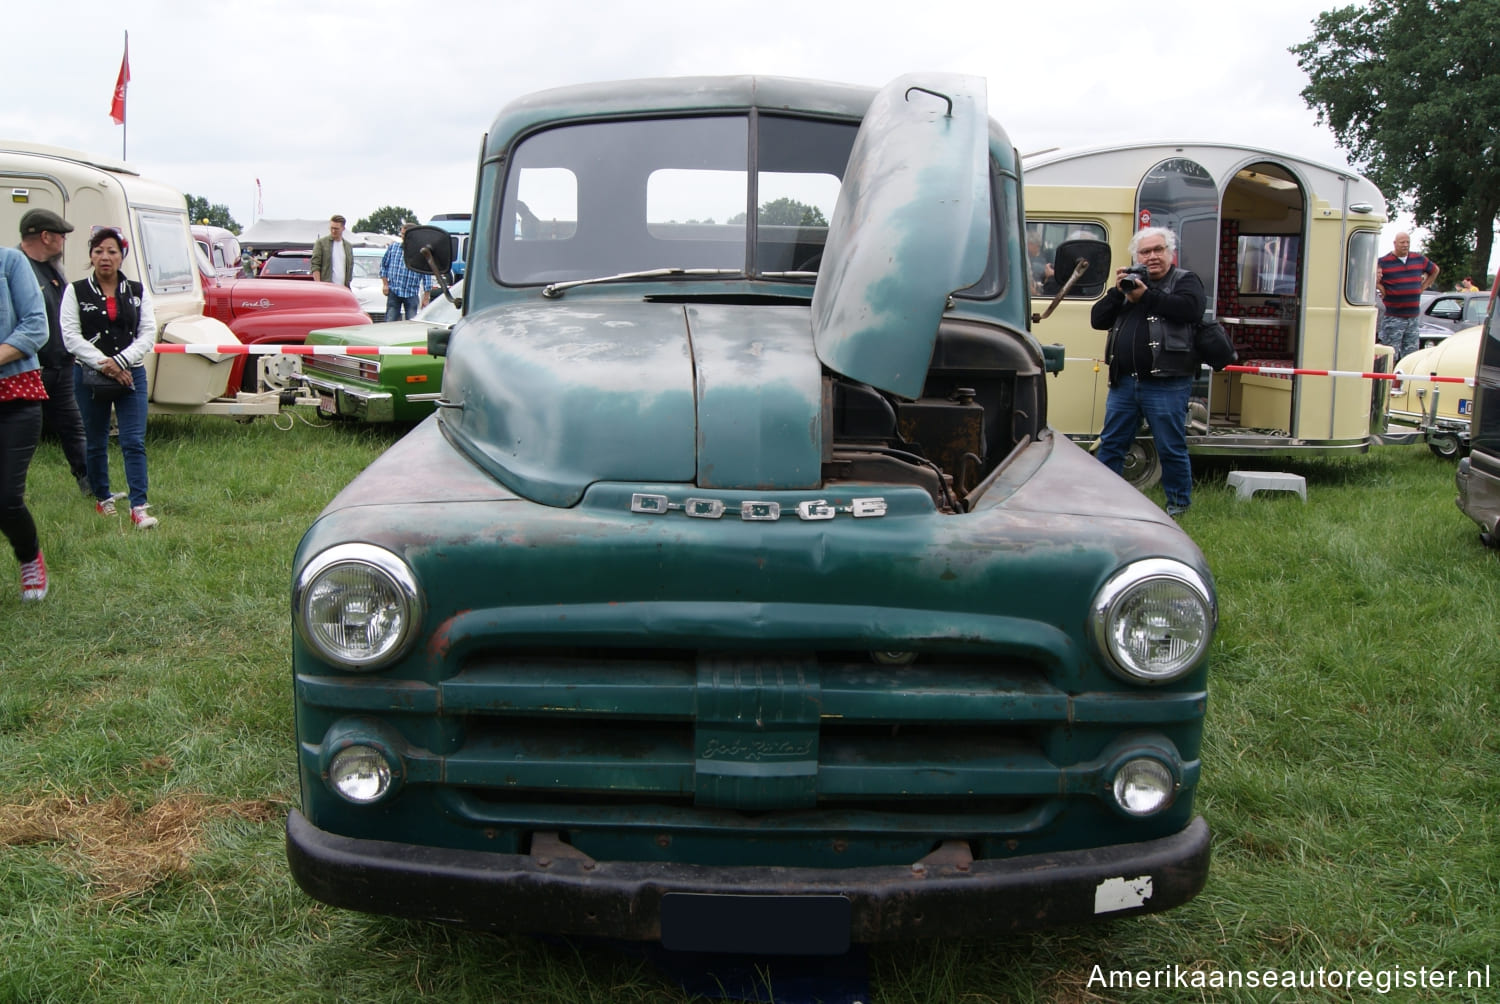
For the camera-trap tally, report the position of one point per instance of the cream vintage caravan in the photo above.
(1286, 249)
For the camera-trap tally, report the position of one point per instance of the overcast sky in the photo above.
(345, 107)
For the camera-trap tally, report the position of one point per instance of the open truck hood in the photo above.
(910, 228)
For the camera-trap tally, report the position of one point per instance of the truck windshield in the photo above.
(603, 198)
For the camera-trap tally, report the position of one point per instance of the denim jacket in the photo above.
(23, 312)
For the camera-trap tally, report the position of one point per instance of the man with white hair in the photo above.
(1151, 314)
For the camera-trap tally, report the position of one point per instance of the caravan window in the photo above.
(1359, 280)
(167, 257)
(1268, 263)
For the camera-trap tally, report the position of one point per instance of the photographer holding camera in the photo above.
(1151, 315)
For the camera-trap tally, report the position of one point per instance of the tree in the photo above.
(386, 220)
(785, 212)
(1411, 88)
(216, 215)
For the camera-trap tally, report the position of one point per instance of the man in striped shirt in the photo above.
(1403, 277)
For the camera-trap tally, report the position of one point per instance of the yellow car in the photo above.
(1440, 409)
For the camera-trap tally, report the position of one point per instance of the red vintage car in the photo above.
(287, 264)
(276, 312)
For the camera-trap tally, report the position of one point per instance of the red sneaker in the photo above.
(34, 579)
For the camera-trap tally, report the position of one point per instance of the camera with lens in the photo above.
(1135, 275)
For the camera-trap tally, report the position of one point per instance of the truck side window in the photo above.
(1042, 240)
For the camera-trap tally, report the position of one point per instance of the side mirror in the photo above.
(437, 339)
(428, 250)
(1053, 357)
(1080, 268)
(1096, 253)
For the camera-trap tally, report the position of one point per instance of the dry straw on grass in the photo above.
(123, 851)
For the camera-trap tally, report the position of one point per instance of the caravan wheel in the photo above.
(1445, 445)
(1142, 465)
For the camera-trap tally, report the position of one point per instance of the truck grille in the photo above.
(753, 733)
(350, 367)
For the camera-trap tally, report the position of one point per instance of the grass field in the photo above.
(1351, 769)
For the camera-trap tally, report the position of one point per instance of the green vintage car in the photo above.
(738, 594)
(381, 388)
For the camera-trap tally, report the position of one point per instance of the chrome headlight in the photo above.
(357, 605)
(1154, 619)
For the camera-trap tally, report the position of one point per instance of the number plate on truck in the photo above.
(759, 925)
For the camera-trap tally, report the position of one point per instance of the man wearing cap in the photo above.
(42, 235)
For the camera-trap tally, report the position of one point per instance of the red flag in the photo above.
(117, 107)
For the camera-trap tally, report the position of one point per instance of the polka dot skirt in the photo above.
(23, 387)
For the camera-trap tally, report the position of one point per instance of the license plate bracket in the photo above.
(756, 924)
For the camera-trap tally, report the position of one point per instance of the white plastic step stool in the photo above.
(1247, 483)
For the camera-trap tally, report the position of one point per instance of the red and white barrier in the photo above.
(1294, 371)
(198, 349)
(237, 349)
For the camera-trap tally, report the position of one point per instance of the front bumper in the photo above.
(559, 890)
(352, 402)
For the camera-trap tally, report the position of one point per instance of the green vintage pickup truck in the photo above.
(738, 595)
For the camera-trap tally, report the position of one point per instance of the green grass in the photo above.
(145, 732)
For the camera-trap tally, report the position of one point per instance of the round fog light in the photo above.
(362, 775)
(1144, 786)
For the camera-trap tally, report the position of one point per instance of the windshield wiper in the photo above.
(788, 275)
(555, 289)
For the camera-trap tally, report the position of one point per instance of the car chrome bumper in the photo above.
(352, 402)
(558, 889)
(1479, 495)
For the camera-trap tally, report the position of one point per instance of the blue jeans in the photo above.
(395, 303)
(1400, 333)
(1163, 403)
(130, 416)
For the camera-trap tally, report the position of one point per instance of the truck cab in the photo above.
(738, 595)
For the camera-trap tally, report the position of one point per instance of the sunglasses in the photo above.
(98, 232)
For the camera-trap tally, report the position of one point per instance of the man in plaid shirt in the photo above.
(403, 288)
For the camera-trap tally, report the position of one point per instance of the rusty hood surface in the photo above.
(553, 397)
